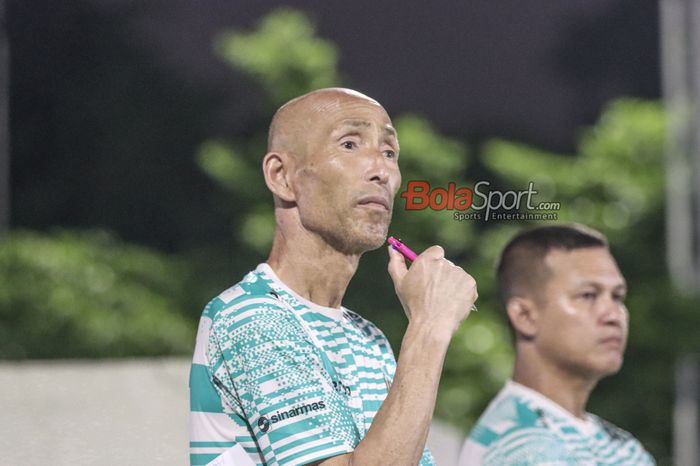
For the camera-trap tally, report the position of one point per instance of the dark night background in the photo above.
(110, 99)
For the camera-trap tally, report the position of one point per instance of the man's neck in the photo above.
(569, 391)
(312, 268)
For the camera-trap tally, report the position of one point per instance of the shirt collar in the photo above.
(587, 425)
(333, 313)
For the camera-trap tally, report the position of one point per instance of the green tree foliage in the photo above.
(84, 294)
(284, 55)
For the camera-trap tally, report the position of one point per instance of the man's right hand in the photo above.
(437, 297)
(434, 292)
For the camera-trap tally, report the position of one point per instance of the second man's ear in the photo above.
(277, 169)
(523, 315)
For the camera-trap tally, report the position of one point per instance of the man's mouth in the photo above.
(374, 202)
(611, 342)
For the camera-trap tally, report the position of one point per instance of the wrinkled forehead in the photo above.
(318, 113)
(358, 124)
(357, 114)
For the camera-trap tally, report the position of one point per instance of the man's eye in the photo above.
(588, 295)
(390, 154)
(348, 145)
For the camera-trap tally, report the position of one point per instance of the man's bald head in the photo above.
(292, 121)
(332, 167)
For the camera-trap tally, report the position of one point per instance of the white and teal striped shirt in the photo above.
(279, 380)
(522, 427)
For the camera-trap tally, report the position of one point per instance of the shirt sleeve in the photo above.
(274, 375)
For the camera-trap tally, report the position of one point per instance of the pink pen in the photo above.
(402, 248)
(409, 254)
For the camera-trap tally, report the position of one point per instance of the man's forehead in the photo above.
(323, 101)
(363, 123)
(594, 264)
(318, 112)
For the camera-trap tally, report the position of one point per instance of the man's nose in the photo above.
(613, 311)
(378, 170)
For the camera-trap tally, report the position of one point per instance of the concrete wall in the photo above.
(127, 412)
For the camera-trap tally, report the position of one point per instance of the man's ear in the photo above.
(524, 316)
(277, 169)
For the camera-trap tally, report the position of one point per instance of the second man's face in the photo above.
(583, 319)
(350, 175)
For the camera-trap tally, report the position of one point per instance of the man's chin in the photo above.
(371, 237)
(376, 237)
(355, 242)
(376, 243)
(611, 366)
(368, 243)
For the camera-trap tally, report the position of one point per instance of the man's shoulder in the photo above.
(625, 444)
(246, 309)
(611, 430)
(521, 447)
(509, 415)
(510, 431)
(519, 427)
(252, 289)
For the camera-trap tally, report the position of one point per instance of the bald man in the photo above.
(282, 372)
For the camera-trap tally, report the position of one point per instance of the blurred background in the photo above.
(131, 134)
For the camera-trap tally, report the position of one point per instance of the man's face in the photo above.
(346, 183)
(583, 321)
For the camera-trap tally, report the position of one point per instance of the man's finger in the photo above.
(433, 252)
(397, 266)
